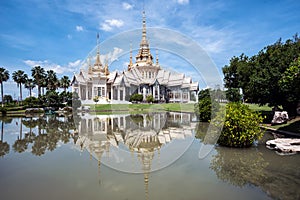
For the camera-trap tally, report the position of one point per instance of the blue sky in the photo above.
(59, 34)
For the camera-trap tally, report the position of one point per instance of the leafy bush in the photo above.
(31, 101)
(136, 97)
(149, 99)
(206, 109)
(241, 126)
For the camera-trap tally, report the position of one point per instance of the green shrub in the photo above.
(31, 101)
(149, 99)
(206, 108)
(136, 97)
(241, 126)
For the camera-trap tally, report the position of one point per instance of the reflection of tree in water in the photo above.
(239, 166)
(51, 130)
(278, 176)
(20, 144)
(4, 146)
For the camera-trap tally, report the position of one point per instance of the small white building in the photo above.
(143, 77)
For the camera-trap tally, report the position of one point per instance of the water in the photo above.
(145, 156)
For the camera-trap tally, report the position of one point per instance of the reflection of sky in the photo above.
(68, 173)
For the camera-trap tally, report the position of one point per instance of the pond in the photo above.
(141, 156)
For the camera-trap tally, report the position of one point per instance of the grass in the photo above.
(135, 108)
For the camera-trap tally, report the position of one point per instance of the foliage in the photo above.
(29, 84)
(52, 81)
(76, 103)
(66, 97)
(65, 82)
(4, 76)
(7, 99)
(31, 101)
(96, 99)
(261, 76)
(20, 78)
(233, 95)
(149, 99)
(136, 97)
(241, 127)
(290, 84)
(206, 108)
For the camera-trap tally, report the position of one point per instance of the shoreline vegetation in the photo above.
(292, 125)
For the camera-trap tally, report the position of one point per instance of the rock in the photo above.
(286, 145)
(280, 117)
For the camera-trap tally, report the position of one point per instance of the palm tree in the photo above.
(52, 80)
(38, 73)
(4, 76)
(20, 78)
(29, 84)
(65, 83)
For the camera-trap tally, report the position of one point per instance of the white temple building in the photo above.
(144, 76)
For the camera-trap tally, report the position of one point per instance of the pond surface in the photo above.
(143, 156)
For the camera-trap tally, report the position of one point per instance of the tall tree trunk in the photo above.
(2, 93)
(30, 92)
(20, 92)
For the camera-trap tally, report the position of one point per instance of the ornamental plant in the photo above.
(241, 127)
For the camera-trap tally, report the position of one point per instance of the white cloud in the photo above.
(182, 2)
(110, 23)
(79, 28)
(127, 6)
(69, 36)
(48, 65)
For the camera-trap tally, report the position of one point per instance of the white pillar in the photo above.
(118, 93)
(144, 93)
(86, 92)
(158, 93)
(124, 93)
(181, 96)
(189, 96)
(173, 96)
(153, 92)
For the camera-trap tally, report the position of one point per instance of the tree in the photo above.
(38, 73)
(7, 99)
(29, 84)
(290, 86)
(259, 76)
(4, 76)
(206, 107)
(65, 82)
(20, 78)
(52, 80)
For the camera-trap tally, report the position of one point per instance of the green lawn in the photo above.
(133, 108)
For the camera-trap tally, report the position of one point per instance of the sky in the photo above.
(61, 34)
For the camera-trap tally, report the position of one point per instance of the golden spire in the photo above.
(156, 57)
(144, 51)
(144, 33)
(90, 70)
(98, 61)
(106, 70)
(130, 58)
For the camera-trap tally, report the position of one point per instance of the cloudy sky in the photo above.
(60, 34)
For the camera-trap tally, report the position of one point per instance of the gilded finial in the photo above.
(130, 58)
(156, 57)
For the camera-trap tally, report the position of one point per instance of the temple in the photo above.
(144, 76)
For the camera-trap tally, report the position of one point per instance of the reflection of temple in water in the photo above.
(141, 134)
